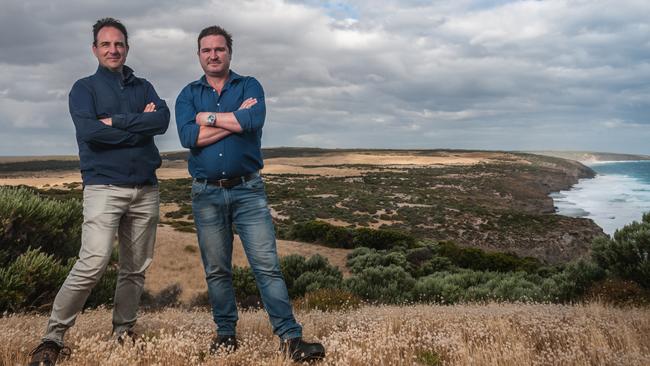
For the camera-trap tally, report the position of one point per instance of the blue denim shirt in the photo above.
(123, 153)
(237, 154)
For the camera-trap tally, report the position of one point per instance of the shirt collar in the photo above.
(126, 76)
(232, 76)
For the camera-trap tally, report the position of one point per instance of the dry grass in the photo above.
(492, 334)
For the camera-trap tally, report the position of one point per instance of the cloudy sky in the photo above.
(482, 74)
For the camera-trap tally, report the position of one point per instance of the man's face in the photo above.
(111, 48)
(214, 56)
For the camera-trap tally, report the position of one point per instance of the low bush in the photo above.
(348, 238)
(302, 275)
(363, 258)
(28, 220)
(573, 281)
(391, 285)
(480, 260)
(31, 281)
(243, 281)
(382, 239)
(627, 254)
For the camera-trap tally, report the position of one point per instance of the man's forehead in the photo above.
(110, 34)
(213, 41)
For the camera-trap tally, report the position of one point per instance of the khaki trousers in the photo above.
(130, 212)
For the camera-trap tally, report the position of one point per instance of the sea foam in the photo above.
(612, 200)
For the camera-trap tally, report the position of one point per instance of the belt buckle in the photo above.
(222, 182)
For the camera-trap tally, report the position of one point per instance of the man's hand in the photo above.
(202, 117)
(107, 121)
(151, 107)
(247, 103)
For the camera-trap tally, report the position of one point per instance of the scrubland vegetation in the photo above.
(416, 293)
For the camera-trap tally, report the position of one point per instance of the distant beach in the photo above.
(617, 196)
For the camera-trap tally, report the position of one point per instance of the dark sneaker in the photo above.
(301, 351)
(46, 354)
(128, 336)
(227, 343)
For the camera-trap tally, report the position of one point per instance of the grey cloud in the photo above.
(465, 74)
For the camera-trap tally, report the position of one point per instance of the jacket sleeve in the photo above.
(188, 130)
(252, 119)
(147, 124)
(90, 129)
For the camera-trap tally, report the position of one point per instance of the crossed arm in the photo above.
(226, 124)
(151, 107)
(118, 130)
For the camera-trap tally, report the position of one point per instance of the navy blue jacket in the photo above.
(124, 153)
(237, 154)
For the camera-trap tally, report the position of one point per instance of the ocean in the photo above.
(618, 195)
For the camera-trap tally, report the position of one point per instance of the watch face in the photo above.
(211, 119)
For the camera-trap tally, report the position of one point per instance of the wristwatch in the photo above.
(212, 119)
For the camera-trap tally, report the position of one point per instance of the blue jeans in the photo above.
(215, 211)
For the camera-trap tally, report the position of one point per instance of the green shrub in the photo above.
(468, 285)
(302, 275)
(417, 256)
(315, 280)
(323, 233)
(390, 284)
(435, 264)
(328, 299)
(627, 254)
(341, 237)
(292, 266)
(572, 283)
(436, 288)
(28, 220)
(31, 281)
(477, 259)
(364, 258)
(243, 281)
(382, 239)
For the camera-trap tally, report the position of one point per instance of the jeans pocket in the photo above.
(197, 189)
(256, 184)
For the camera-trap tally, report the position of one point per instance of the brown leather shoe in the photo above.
(46, 354)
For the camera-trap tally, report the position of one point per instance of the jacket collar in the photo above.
(125, 77)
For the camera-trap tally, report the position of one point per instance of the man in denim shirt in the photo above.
(220, 118)
(116, 116)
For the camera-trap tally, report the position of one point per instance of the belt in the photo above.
(138, 186)
(228, 183)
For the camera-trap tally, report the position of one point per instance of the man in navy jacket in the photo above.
(116, 116)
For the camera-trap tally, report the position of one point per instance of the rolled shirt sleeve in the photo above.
(252, 119)
(188, 130)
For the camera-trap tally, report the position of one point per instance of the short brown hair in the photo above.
(215, 30)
